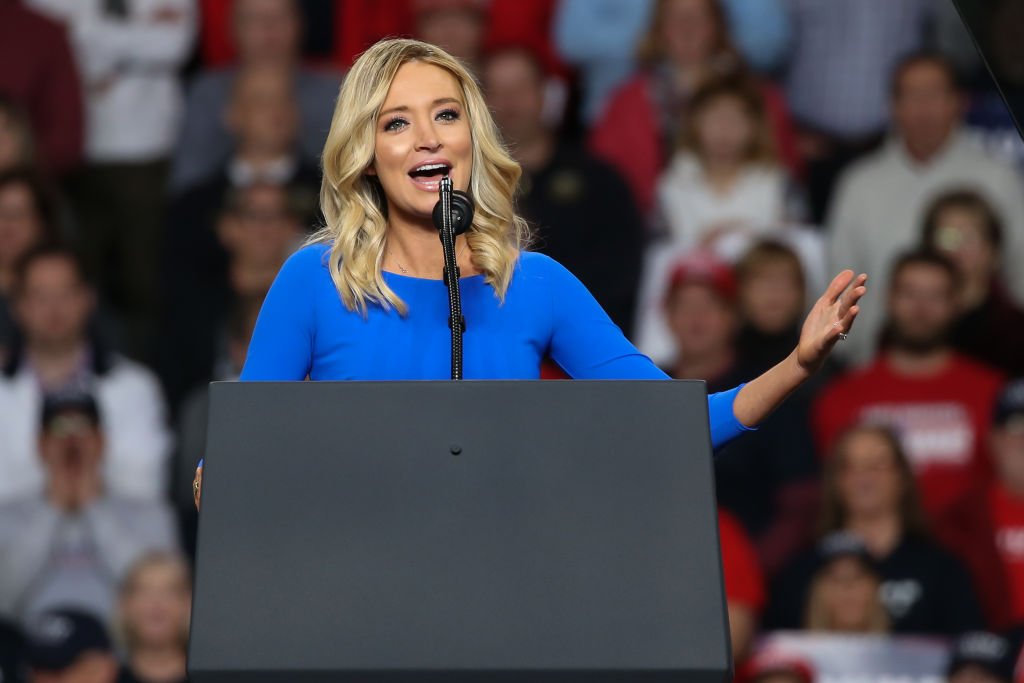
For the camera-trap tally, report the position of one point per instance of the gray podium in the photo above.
(458, 531)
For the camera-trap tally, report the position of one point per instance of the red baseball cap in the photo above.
(703, 268)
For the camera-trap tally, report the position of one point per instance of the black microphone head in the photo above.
(462, 212)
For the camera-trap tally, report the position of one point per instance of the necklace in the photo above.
(405, 271)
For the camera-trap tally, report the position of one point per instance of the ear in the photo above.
(371, 169)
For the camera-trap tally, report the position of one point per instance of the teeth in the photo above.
(430, 167)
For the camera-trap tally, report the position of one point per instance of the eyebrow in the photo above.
(442, 100)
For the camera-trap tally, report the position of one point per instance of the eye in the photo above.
(448, 115)
(395, 124)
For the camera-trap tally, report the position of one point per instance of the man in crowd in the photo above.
(58, 352)
(581, 208)
(937, 400)
(267, 34)
(878, 206)
(259, 226)
(70, 646)
(71, 544)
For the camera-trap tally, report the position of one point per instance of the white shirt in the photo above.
(129, 69)
(878, 209)
(692, 208)
(133, 416)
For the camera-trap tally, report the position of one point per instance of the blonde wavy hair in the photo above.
(353, 202)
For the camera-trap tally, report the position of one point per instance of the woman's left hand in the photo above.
(832, 316)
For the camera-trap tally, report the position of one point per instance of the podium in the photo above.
(483, 531)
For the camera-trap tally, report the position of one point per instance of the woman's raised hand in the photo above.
(830, 319)
(197, 484)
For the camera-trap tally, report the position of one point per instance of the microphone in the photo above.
(461, 211)
(452, 215)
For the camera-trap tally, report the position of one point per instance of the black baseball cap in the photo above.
(60, 404)
(58, 637)
(991, 652)
(1009, 407)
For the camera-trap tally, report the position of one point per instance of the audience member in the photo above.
(153, 619)
(769, 479)
(773, 666)
(981, 657)
(27, 218)
(37, 71)
(700, 310)
(13, 654)
(744, 584)
(868, 489)
(840, 59)
(986, 528)
(17, 143)
(458, 26)
(128, 56)
(723, 182)
(266, 33)
(939, 401)
(990, 324)
(70, 544)
(70, 646)
(578, 205)
(844, 593)
(599, 37)
(57, 351)
(880, 200)
(257, 229)
(687, 44)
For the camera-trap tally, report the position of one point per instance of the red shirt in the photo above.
(942, 420)
(744, 584)
(1007, 513)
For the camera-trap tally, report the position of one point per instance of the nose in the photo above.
(428, 140)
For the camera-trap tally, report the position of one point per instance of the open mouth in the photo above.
(428, 175)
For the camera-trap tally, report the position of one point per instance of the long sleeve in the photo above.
(282, 342)
(28, 529)
(140, 441)
(588, 345)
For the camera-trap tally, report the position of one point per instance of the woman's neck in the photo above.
(974, 291)
(159, 664)
(721, 174)
(880, 532)
(414, 249)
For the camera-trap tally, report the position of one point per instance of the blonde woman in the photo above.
(153, 619)
(365, 299)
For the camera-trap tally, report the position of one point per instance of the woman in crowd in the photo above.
(362, 301)
(963, 225)
(686, 45)
(723, 185)
(844, 593)
(869, 491)
(27, 218)
(153, 620)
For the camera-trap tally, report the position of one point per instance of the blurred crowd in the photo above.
(703, 166)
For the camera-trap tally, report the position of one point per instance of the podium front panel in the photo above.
(458, 531)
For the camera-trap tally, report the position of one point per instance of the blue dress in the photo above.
(304, 329)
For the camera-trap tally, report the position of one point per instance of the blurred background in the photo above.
(703, 166)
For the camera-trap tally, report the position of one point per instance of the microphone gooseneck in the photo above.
(452, 215)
